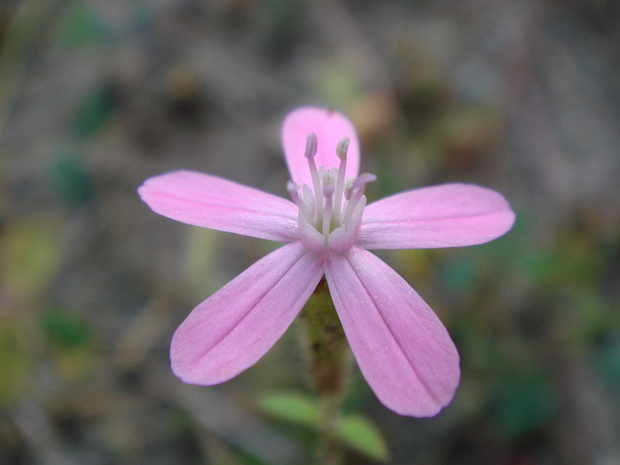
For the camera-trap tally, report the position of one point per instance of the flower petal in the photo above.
(212, 202)
(450, 215)
(236, 326)
(401, 347)
(330, 127)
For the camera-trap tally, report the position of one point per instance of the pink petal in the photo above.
(330, 127)
(401, 347)
(450, 215)
(211, 202)
(236, 326)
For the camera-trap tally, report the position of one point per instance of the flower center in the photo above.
(330, 212)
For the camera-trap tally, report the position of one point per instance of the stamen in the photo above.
(311, 145)
(341, 151)
(304, 202)
(355, 193)
(293, 191)
(328, 202)
(311, 149)
(347, 189)
(342, 147)
(328, 194)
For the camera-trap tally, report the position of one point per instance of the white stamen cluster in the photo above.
(331, 212)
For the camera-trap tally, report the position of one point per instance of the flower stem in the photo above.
(328, 365)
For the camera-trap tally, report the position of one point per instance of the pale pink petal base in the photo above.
(449, 215)
(237, 325)
(330, 127)
(401, 347)
(212, 202)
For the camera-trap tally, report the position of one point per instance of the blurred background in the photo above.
(96, 96)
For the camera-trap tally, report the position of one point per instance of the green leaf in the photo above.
(355, 431)
(29, 256)
(574, 262)
(361, 435)
(606, 361)
(64, 331)
(72, 180)
(524, 404)
(15, 361)
(81, 25)
(94, 111)
(71, 344)
(461, 273)
(296, 408)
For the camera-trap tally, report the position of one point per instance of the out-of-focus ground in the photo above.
(520, 96)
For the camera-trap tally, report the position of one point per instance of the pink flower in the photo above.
(401, 347)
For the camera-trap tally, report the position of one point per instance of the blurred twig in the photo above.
(35, 426)
(589, 430)
(214, 412)
(140, 336)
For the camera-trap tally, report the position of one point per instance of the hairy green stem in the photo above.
(328, 366)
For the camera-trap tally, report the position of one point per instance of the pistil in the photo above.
(355, 193)
(328, 194)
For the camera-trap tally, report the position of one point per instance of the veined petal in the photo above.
(236, 326)
(401, 347)
(330, 127)
(212, 202)
(449, 215)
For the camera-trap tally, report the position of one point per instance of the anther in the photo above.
(343, 147)
(311, 149)
(293, 191)
(347, 188)
(341, 152)
(312, 143)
